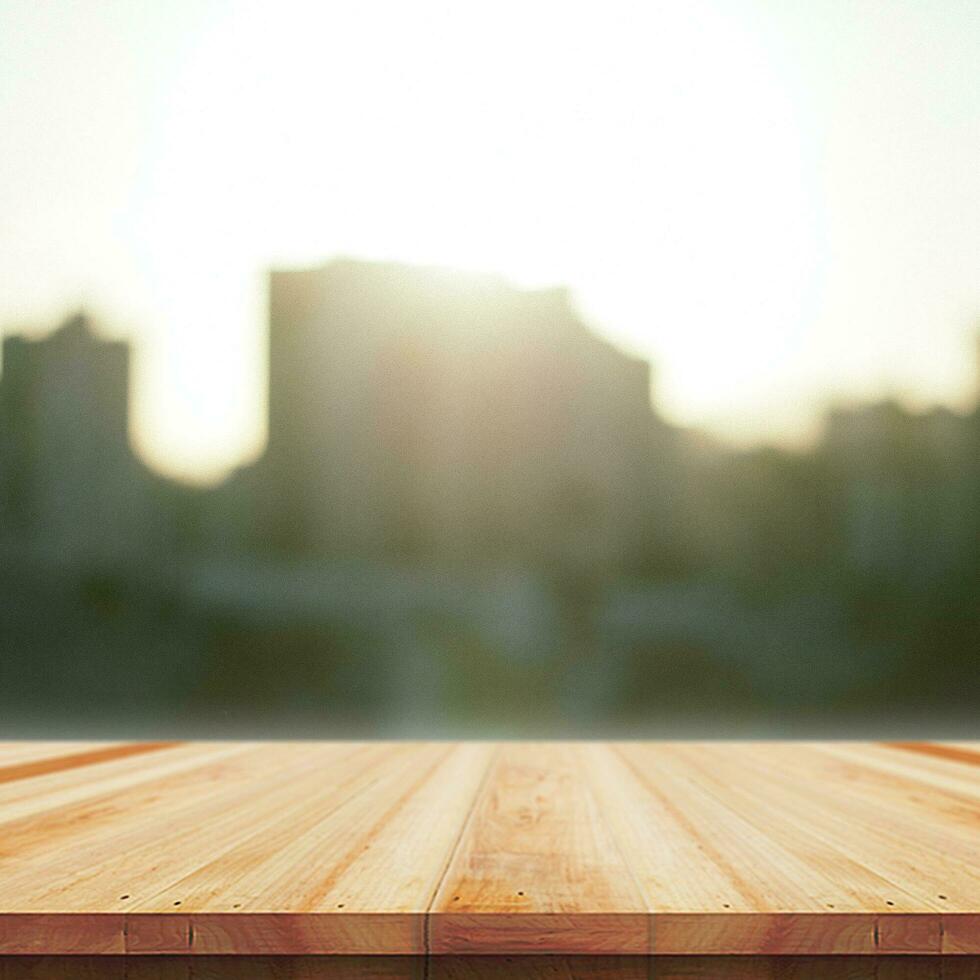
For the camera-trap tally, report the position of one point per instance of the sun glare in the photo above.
(646, 158)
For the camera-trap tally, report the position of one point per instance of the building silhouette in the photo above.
(73, 493)
(415, 414)
(469, 513)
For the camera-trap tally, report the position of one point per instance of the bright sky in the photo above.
(775, 200)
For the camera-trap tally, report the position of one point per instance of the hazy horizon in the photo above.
(775, 204)
(208, 475)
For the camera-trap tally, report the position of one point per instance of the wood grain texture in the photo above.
(343, 849)
(47, 760)
(536, 869)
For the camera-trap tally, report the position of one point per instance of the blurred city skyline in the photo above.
(469, 518)
(774, 204)
(211, 473)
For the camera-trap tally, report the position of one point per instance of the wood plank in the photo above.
(340, 851)
(870, 835)
(536, 869)
(820, 874)
(565, 849)
(53, 841)
(966, 752)
(62, 757)
(865, 817)
(23, 803)
(701, 901)
(96, 852)
(363, 872)
(37, 933)
(13, 753)
(839, 840)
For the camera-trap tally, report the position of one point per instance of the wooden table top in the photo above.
(671, 848)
